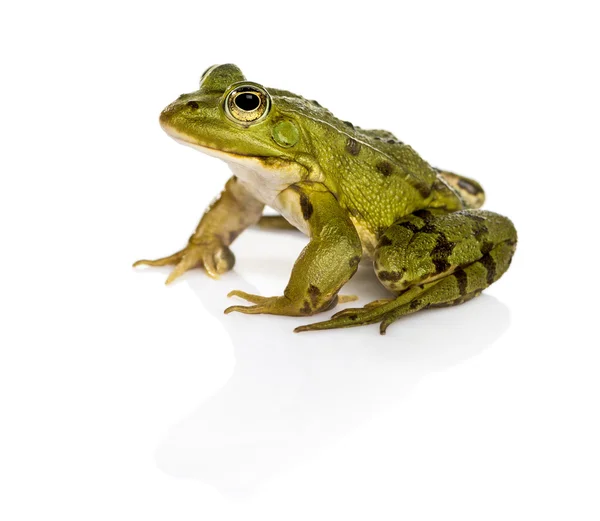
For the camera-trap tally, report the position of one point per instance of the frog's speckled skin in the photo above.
(355, 192)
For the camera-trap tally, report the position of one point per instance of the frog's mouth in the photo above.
(208, 148)
(221, 154)
(271, 164)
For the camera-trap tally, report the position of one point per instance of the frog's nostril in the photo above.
(192, 104)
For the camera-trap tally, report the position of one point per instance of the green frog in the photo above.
(358, 194)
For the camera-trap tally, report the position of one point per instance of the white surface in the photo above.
(122, 399)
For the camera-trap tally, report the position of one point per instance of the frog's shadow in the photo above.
(291, 394)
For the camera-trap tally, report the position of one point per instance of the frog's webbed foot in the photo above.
(228, 216)
(280, 305)
(387, 311)
(215, 258)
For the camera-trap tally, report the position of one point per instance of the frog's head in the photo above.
(230, 117)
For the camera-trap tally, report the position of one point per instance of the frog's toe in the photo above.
(165, 261)
(183, 260)
(216, 259)
(255, 299)
(190, 260)
(389, 318)
(270, 305)
(248, 310)
(350, 317)
(342, 299)
(377, 303)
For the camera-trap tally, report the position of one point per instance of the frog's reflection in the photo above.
(291, 394)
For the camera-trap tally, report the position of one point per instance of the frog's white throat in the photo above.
(263, 182)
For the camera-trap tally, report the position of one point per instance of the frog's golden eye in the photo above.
(247, 104)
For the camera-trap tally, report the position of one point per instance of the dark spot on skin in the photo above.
(314, 293)
(423, 189)
(193, 104)
(441, 265)
(306, 206)
(348, 124)
(487, 247)
(377, 138)
(414, 304)
(352, 317)
(429, 228)
(426, 215)
(353, 262)
(315, 102)
(381, 231)
(479, 229)
(233, 235)
(409, 226)
(352, 147)
(441, 251)
(393, 276)
(306, 310)
(461, 280)
(385, 168)
(385, 241)
(468, 187)
(443, 247)
(490, 265)
(391, 141)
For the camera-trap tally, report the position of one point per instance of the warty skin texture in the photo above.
(355, 192)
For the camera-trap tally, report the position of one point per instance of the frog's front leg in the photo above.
(232, 212)
(325, 264)
(433, 260)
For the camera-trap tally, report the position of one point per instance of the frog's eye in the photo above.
(247, 104)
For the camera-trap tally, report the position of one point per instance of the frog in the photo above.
(361, 196)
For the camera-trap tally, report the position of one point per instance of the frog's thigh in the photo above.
(470, 248)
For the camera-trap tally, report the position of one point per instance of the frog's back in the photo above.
(374, 176)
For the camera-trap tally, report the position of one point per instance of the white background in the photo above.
(121, 399)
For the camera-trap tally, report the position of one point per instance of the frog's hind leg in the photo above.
(433, 260)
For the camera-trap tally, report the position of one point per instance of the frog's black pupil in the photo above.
(247, 101)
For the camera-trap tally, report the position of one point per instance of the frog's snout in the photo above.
(166, 116)
(178, 111)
